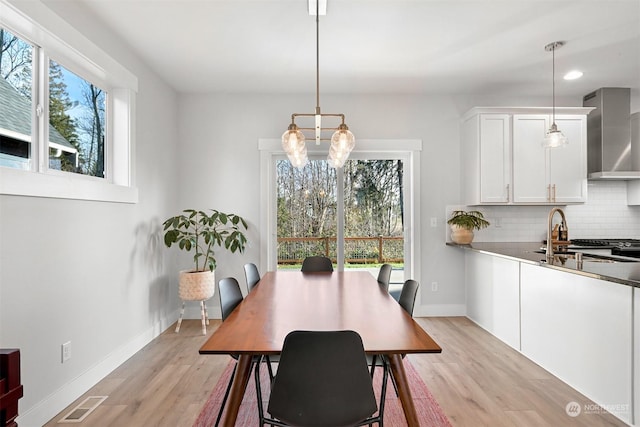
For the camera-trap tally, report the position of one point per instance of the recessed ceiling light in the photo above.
(572, 75)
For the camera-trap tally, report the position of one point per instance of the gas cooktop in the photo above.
(606, 243)
(624, 247)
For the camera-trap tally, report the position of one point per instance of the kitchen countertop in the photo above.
(626, 273)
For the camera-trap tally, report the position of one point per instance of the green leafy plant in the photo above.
(201, 232)
(471, 220)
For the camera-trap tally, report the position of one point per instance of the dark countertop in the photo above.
(626, 273)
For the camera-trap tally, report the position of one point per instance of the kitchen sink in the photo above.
(563, 256)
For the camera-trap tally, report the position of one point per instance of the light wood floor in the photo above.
(478, 381)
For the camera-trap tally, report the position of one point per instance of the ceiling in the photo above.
(381, 46)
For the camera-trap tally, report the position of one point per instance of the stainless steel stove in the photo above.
(624, 247)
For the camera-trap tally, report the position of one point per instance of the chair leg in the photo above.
(202, 315)
(373, 364)
(383, 393)
(269, 368)
(226, 396)
(180, 318)
(259, 393)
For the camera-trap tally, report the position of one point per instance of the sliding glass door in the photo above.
(360, 216)
(307, 213)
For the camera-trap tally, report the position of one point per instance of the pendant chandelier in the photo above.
(554, 137)
(294, 141)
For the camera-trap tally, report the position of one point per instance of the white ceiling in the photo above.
(381, 46)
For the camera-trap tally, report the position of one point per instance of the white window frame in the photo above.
(64, 44)
(408, 150)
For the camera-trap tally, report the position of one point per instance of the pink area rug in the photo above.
(429, 412)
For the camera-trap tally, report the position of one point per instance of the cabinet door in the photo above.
(579, 329)
(530, 178)
(568, 164)
(636, 354)
(495, 158)
(493, 295)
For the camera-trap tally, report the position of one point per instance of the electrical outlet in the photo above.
(434, 286)
(66, 351)
(434, 222)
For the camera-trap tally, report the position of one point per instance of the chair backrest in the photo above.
(384, 276)
(316, 263)
(408, 296)
(230, 295)
(252, 275)
(322, 380)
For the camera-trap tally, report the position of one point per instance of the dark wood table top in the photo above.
(284, 301)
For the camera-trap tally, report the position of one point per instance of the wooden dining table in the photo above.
(284, 301)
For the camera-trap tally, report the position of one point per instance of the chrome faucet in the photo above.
(549, 230)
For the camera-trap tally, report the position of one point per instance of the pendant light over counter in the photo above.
(554, 137)
(294, 141)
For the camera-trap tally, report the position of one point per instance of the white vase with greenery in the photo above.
(201, 233)
(463, 223)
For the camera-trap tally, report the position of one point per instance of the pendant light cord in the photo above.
(553, 84)
(317, 56)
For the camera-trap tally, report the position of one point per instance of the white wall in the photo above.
(220, 169)
(89, 272)
(97, 274)
(220, 159)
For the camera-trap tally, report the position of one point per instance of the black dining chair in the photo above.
(312, 264)
(230, 297)
(322, 381)
(252, 275)
(407, 302)
(408, 296)
(384, 276)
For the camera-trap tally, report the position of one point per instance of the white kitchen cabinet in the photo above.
(493, 295)
(487, 158)
(504, 161)
(549, 176)
(636, 361)
(580, 329)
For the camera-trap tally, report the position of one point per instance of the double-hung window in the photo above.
(66, 110)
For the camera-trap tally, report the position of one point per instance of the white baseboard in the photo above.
(43, 411)
(439, 310)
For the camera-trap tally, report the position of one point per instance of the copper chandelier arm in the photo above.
(293, 140)
(324, 140)
(323, 129)
(294, 115)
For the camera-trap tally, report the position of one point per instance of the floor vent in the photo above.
(80, 412)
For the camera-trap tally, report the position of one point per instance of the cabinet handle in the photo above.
(508, 195)
(554, 193)
(548, 192)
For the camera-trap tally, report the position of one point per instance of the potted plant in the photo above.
(463, 223)
(201, 233)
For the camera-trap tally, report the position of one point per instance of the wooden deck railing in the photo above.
(357, 250)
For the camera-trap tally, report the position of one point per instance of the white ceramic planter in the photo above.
(196, 286)
(460, 235)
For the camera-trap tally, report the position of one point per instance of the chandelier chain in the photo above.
(317, 57)
(553, 82)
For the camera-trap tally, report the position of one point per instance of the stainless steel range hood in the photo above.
(610, 152)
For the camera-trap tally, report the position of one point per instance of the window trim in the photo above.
(38, 25)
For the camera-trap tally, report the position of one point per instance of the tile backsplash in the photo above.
(605, 215)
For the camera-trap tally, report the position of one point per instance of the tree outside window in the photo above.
(77, 110)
